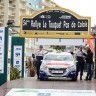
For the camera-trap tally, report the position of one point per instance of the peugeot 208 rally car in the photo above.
(58, 66)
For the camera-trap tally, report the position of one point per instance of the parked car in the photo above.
(58, 66)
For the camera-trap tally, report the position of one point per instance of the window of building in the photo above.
(1, 24)
(29, 3)
(43, 1)
(33, 5)
(36, 6)
(0, 17)
(10, 2)
(43, 7)
(1, 0)
(22, 13)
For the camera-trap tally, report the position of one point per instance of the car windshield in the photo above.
(55, 57)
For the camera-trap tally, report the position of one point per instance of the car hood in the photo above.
(58, 64)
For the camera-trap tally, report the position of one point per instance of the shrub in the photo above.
(14, 73)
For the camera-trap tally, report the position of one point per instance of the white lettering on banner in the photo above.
(35, 24)
(82, 24)
(65, 24)
(44, 24)
(54, 24)
(25, 22)
(73, 24)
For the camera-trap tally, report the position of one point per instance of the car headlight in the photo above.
(43, 67)
(71, 68)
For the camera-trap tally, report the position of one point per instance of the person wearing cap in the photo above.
(80, 56)
(39, 56)
(89, 63)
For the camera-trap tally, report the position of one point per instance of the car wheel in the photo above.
(74, 79)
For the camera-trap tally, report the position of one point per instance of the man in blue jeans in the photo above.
(89, 62)
(39, 56)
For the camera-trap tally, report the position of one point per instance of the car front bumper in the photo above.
(47, 75)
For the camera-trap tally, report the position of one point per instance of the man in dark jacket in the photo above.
(80, 62)
(89, 62)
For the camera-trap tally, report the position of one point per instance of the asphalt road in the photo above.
(32, 82)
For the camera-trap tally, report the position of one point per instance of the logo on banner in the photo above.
(17, 54)
(0, 55)
(0, 38)
(18, 48)
(0, 48)
(17, 62)
(1, 31)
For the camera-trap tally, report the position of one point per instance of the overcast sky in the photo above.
(81, 7)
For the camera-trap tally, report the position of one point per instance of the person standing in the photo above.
(31, 67)
(39, 56)
(89, 63)
(80, 56)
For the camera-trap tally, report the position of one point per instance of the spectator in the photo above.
(80, 56)
(89, 62)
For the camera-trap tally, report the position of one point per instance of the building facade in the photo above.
(48, 3)
(13, 9)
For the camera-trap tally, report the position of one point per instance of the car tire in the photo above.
(41, 79)
(74, 79)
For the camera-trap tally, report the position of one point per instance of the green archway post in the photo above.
(3, 76)
(17, 41)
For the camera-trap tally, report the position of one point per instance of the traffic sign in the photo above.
(55, 23)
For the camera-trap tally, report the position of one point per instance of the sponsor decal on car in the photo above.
(58, 63)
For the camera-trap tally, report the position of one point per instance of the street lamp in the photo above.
(10, 22)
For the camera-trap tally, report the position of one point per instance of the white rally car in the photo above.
(58, 66)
